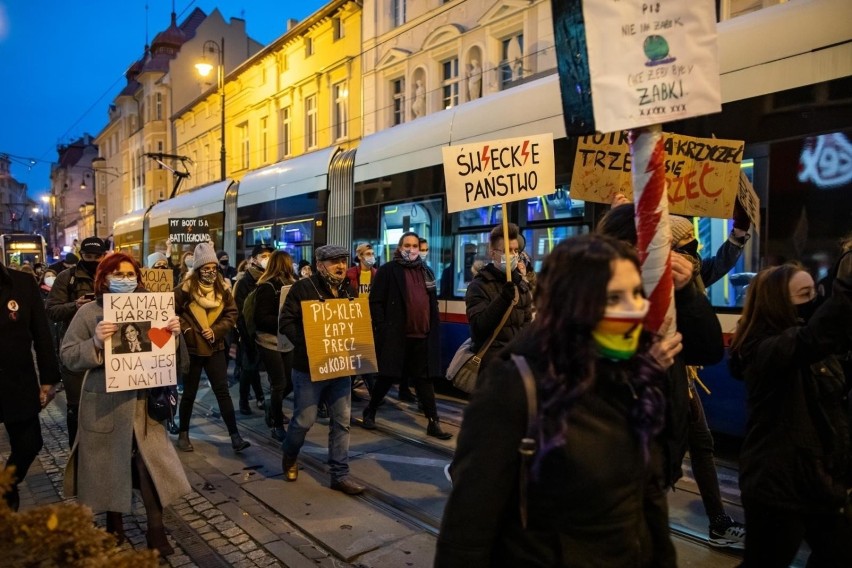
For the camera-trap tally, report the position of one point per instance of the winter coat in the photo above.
(99, 471)
(584, 507)
(61, 301)
(290, 320)
(388, 311)
(796, 451)
(486, 304)
(266, 315)
(242, 289)
(24, 327)
(715, 267)
(195, 342)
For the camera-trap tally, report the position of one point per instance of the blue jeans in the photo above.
(306, 396)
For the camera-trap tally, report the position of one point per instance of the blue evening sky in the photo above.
(62, 63)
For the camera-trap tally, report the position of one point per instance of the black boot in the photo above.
(369, 418)
(434, 430)
(115, 526)
(238, 443)
(71, 421)
(244, 407)
(13, 498)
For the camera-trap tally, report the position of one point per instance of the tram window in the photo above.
(557, 205)
(422, 217)
(542, 240)
(257, 235)
(296, 238)
(483, 216)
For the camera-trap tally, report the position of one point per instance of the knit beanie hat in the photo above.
(155, 257)
(204, 254)
(681, 228)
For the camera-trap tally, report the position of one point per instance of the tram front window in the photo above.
(422, 217)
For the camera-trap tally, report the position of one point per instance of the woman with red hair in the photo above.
(118, 443)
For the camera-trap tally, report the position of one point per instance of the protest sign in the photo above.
(749, 201)
(651, 62)
(339, 338)
(158, 280)
(189, 231)
(701, 173)
(490, 173)
(141, 354)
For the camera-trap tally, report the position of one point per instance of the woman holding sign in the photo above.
(207, 313)
(118, 446)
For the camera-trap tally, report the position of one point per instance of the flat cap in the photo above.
(329, 252)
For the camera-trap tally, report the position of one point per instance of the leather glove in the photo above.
(741, 220)
(508, 291)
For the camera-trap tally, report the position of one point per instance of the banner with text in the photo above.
(339, 338)
(189, 231)
(651, 62)
(490, 173)
(158, 280)
(141, 354)
(702, 174)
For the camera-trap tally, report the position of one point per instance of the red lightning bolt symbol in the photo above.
(524, 151)
(485, 157)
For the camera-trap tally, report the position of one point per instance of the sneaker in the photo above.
(728, 534)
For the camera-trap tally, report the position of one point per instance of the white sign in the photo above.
(651, 62)
(490, 173)
(141, 354)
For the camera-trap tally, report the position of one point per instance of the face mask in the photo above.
(332, 280)
(805, 311)
(89, 266)
(161, 267)
(264, 262)
(617, 334)
(369, 260)
(122, 285)
(189, 261)
(224, 262)
(49, 280)
(207, 277)
(411, 255)
(501, 264)
(423, 255)
(690, 248)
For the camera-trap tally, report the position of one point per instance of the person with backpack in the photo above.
(261, 310)
(73, 289)
(250, 359)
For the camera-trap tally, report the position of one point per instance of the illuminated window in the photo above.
(341, 99)
(285, 149)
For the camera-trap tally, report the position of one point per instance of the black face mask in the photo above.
(224, 263)
(89, 266)
(805, 311)
(690, 248)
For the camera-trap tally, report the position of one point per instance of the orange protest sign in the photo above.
(702, 174)
(158, 280)
(339, 338)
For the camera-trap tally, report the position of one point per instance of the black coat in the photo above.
(388, 311)
(23, 329)
(796, 454)
(61, 302)
(585, 508)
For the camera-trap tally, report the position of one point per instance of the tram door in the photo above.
(423, 217)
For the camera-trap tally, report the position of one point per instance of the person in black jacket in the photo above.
(489, 296)
(250, 356)
(598, 390)
(404, 308)
(702, 345)
(795, 461)
(329, 282)
(25, 329)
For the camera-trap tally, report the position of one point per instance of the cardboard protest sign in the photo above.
(749, 201)
(499, 171)
(158, 280)
(141, 354)
(701, 173)
(651, 62)
(339, 338)
(189, 231)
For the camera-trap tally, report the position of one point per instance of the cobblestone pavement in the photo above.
(210, 527)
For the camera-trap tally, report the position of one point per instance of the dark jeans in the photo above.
(26, 442)
(773, 537)
(279, 371)
(415, 366)
(701, 456)
(250, 369)
(216, 367)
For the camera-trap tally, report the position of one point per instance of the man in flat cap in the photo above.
(328, 283)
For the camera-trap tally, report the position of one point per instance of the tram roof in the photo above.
(205, 200)
(296, 176)
(129, 222)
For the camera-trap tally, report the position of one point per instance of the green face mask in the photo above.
(617, 334)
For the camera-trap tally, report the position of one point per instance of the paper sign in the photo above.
(141, 354)
(339, 338)
(158, 280)
(749, 201)
(651, 62)
(500, 171)
(189, 231)
(701, 173)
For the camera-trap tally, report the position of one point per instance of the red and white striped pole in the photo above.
(652, 226)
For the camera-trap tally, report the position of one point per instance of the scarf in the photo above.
(206, 306)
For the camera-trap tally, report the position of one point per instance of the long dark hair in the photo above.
(570, 302)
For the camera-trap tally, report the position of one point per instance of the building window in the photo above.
(337, 25)
(208, 159)
(243, 140)
(450, 82)
(511, 60)
(398, 12)
(285, 132)
(398, 95)
(309, 47)
(264, 139)
(158, 105)
(341, 99)
(310, 122)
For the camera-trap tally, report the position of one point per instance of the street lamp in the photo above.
(51, 223)
(204, 68)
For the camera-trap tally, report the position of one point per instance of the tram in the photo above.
(789, 99)
(17, 248)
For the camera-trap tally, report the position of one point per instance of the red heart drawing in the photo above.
(159, 336)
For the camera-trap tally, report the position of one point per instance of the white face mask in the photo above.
(49, 280)
(189, 261)
(423, 255)
(500, 263)
(370, 260)
(264, 262)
